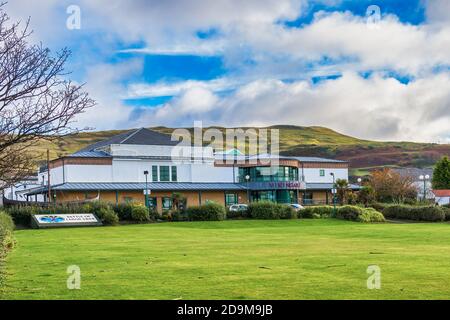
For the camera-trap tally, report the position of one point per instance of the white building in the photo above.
(122, 167)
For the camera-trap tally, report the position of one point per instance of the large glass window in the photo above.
(154, 173)
(174, 173)
(164, 174)
(231, 198)
(262, 174)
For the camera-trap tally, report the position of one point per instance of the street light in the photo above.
(333, 192)
(247, 178)
(424, 178)
(146, 188)
(359, 181)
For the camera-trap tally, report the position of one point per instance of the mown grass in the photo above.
(289, 259)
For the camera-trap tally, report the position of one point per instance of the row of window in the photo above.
(166, 173)
(261, 174)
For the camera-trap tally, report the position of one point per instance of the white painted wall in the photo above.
(161, 151)
(87, 173)
(442, 200)
(209, 173)
(312, 175)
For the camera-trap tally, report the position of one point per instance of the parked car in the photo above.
(297, 206)
(238, 207)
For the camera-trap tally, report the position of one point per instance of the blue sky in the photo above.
(258, 63)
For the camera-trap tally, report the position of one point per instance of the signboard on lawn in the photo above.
(65, 220)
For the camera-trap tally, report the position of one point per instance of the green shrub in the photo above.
(6, 237)
(371, 215)
(107, 216)
(424, 213)
(207, 212)
(21, 214)
(179, 215)
(316, 212)
(359, 214)
(124, 210)
(446, 212)
(140, 213)
(263, 210)
(349, 213)
(287, 212)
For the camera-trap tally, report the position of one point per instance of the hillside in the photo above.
(296, 141)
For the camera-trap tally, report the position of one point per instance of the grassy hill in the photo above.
(296, 141)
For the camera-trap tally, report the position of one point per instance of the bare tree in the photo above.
(36, 102)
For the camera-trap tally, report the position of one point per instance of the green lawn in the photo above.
(297, 259)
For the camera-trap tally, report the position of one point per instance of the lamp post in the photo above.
(146, 188)
(333, 192)
(359, 181)
(247, 178)
(424, 178)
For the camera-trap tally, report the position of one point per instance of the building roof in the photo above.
(327, 186)
(300, 159)
(139, 186)
(142, 136)
(414, 173)
(442, 193)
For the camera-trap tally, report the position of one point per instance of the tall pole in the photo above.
(146, 188)
(247, 177)
(48, 176)
(424, 189)
(333, 193)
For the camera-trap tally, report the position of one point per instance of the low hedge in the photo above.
(140, 213)
(423, 213)
(206, 212)
(316, 212)
(359, 214)
(447, 213)
(270, 210)
(6, 237)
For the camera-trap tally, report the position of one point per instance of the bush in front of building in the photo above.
(107, 216)
(359, 214)
(206, 212)
(124, 210)
(140, 213)
(6, 236)
(287, 212)
(22, 214)
(316, 212)
(417, 213)
(270, 210)
(447, 212)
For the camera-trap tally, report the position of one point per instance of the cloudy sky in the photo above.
(333, 63)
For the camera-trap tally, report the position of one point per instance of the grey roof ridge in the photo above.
(131, 134)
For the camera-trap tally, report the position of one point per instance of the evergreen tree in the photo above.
(441, 174)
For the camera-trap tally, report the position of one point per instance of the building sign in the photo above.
(65, 220)
(277, 185)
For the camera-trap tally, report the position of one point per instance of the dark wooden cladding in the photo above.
(80, 161)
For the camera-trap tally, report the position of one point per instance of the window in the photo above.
(174, 173)
(152, 202)
(230, 198)
(166, 203)
(154, 173)
(128, 199)
(164, 174)
(322, 173)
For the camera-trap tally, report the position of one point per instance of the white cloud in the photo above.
(377, 107)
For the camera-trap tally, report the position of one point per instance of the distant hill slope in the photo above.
(297, 141)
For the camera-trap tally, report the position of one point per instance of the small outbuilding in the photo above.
(442, 197)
